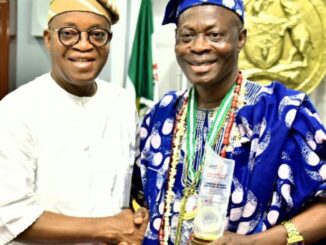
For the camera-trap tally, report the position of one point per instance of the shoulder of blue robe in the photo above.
(261, 100)
(163, 112)
(282, 148)
(282, 109)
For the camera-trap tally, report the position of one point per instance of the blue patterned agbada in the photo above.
(280, 160)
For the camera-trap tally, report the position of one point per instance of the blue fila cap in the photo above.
(175, 7)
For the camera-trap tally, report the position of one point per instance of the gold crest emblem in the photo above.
(286, 42)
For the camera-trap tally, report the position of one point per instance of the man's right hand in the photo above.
(125, 228)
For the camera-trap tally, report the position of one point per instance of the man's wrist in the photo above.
(275, 235)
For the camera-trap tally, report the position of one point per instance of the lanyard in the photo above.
(214, 129)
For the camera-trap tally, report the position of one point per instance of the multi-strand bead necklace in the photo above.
(228, 109)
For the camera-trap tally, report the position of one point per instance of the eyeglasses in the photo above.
(70, 36)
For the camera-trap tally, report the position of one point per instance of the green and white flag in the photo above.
(142, 70)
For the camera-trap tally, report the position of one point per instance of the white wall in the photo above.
(32, 58)
(169, 72)
(319, 99)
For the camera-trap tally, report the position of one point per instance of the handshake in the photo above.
(126, 228)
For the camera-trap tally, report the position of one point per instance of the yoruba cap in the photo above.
(106, 8)
(175, 7)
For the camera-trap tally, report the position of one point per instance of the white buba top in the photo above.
(62, 153)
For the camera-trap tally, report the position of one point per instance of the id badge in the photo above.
(214, 194)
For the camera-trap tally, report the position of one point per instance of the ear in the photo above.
(47, 38)
(242, 38)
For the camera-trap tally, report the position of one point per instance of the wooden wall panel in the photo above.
(4, 47)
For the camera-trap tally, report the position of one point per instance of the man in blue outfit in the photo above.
(67, 141)
(268, 139)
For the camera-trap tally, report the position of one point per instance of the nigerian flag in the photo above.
(142, 68)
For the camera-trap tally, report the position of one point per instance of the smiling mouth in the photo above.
(201, 67)
(81, 60)
(201, 63)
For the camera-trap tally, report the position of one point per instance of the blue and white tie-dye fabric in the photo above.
(280, 160)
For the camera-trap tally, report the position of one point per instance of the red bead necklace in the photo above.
(234, 106)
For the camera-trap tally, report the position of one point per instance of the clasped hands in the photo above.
(127, 228)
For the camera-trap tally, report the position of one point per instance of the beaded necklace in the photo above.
(179, 130)
(178, 134)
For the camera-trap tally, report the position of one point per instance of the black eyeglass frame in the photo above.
(59, 30)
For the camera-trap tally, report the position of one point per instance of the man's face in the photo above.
(74, 68)
(208, 41)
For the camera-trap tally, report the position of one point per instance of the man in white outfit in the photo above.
(67, 141)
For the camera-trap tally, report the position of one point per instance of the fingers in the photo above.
(140, 216)
(197, 241)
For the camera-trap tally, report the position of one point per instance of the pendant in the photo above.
(187, 192)
(191, 207)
